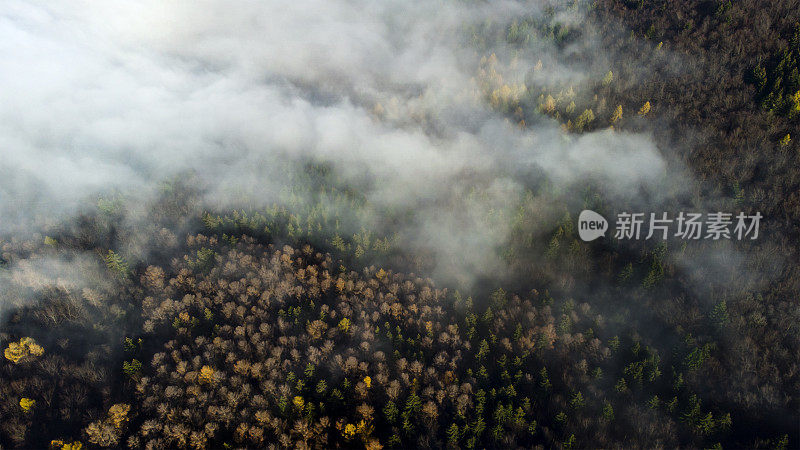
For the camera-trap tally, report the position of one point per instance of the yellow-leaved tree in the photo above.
(644, 109)
(26, 404)
(617, 115)
(206, 375)
(107, 432)
(24, 349)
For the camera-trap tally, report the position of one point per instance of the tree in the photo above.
(608, 78)
(453, 435)
(116, 264)
(617, 115)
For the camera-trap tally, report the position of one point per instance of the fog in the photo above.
(116, 96)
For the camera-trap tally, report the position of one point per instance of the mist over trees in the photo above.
(343, 224)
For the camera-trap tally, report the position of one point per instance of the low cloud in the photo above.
(102, 96)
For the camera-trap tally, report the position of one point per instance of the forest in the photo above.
(354, 225)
